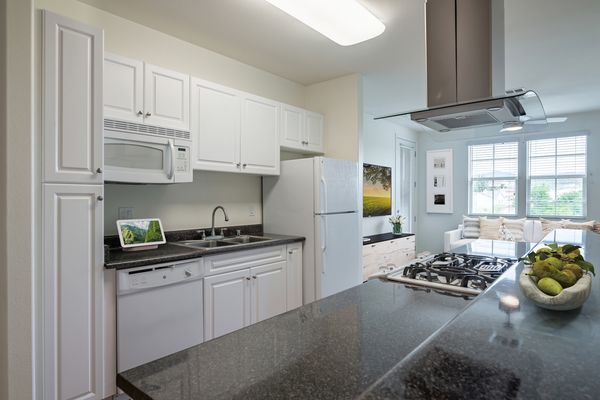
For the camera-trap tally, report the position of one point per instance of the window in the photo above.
(556, 177)
(493, 173)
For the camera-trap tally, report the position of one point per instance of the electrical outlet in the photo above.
(251, 211)
(125, 212)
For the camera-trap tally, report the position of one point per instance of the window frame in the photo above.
(556, 177)
(516, 178)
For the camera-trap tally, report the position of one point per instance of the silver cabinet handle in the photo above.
(238, 165)
(247, 278)
(254, 277)
(140, 113)
(291, 252)
(148, 114)
(98, 170)
(244, 165)
(100, 198)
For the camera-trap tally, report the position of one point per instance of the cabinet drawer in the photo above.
(371, 248)
(234, 261)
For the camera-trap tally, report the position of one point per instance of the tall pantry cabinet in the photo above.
(72, 210)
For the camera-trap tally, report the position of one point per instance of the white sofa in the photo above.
(532, 232)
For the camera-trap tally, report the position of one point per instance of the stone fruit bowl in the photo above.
(568, 299)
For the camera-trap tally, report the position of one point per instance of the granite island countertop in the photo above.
(169, 252)
(383, 340)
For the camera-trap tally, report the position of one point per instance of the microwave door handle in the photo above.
(172, 169)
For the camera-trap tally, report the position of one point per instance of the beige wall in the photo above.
(3, 270)
(17, 192)
(188, 205)
(340, 101)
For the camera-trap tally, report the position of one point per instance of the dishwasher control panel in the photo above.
(157, 275)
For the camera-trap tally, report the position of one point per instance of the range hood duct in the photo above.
(465, 70)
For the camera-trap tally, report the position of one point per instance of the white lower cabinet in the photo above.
(258, 288)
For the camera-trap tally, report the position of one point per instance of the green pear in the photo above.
(549, 286)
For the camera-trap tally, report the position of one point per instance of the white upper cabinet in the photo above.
(72, 137)
(146, 94)
(301, 131)
(123, 88)
(259, 152)
(166, 98)
(314, 132)
(216, 127)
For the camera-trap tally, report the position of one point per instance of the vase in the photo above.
(397, 229)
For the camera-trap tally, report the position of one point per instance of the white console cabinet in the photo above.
(397, 251)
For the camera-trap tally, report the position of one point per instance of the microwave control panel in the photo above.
(182, 159)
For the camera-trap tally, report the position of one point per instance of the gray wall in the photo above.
(430, 227)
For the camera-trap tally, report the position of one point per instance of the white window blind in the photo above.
(493, 174)
(556, 177)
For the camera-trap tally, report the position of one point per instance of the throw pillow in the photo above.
(588, 225)
(470, 228)
(515, 227)
(490, 228)
(548, 226)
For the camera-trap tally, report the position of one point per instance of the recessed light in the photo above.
(511, 127)
(346, 22)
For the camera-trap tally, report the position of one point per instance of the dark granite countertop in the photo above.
(486, 354)
(382, 237)
(169, 252)
(333, 348)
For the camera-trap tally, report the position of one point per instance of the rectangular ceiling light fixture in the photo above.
(346, 22)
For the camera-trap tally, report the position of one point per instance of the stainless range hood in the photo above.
(465, 71)
(509, 112)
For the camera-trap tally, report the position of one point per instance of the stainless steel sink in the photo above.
(245, 239)
(205, 244)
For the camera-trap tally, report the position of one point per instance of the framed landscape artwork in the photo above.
(377, 190)
(439, 181)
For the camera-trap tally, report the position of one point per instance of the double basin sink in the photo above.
(233, 241)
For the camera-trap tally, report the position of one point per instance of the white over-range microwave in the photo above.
(137, 153)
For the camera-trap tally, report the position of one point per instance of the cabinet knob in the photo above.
(244, 165)
(238, 165)
(148, 114)
(100, 198)
(140, 113)
(98, 170)
(291, 252)
(247, 278)
(254, 277)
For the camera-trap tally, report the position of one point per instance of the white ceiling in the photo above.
(552, 46)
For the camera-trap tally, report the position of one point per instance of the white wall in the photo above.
(17, 191)
(188, 205)
(340, 101)
(379, 147)
(431, 226)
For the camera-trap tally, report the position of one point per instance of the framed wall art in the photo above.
(439, 181)
(377, 190)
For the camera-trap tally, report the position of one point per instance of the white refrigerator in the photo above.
(318, 198)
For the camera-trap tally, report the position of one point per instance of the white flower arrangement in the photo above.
(397, 219)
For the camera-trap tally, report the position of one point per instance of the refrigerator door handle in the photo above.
(323, 235)
(323, 195)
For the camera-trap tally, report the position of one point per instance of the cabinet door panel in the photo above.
(215, 127)
(166, 98)
(268, 291)
(226, 303)
(260, 136)
(73, 281)
(72, 132)
(292, 127)
(294, 275)
(123, 88)
(314, 132)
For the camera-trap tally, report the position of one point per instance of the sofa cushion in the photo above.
(470, 228)
(588, 225)
(490, 228)
(548, 226)
(515, 227)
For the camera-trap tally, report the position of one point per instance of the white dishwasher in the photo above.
(159, 312)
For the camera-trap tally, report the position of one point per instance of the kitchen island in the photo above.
(384, 340)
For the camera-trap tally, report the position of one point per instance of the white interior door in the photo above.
(260, 136)
(337, 185)
(268, 291)
(73, 287)
(338, 253)
(72, 132)
(226, 303)
(123, 88)
(405, 182)
(166, 98)
(215, 127)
